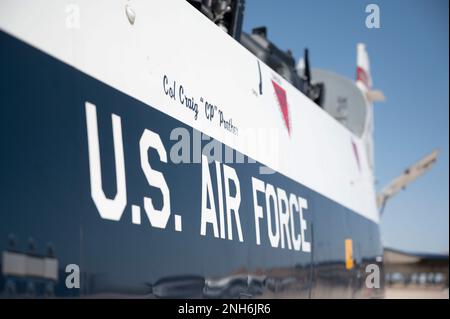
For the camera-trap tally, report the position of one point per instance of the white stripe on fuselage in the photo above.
(171, 38)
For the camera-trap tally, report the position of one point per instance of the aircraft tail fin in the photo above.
(363, 66)
(364, 76)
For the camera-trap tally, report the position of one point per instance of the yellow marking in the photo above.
(348, 254)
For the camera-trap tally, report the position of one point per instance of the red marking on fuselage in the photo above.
(282, 101)
(355, 152)
(361, 75)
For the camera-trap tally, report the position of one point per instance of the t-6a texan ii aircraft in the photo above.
(153, 149)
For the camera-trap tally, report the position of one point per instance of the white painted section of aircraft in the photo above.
(170, 38)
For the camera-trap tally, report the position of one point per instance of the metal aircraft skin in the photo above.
(152, 155)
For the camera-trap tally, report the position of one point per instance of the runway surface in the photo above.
(416, 293)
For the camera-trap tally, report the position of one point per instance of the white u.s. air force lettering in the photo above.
(283, 214)
(284, 211)
(232, 203)
(112, 209)
(108, 208)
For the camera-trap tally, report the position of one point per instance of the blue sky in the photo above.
(410, 64)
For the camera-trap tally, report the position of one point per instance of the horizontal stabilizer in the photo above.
(375, 96)
(408, 176)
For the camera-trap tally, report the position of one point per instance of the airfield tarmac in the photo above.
(416, 293)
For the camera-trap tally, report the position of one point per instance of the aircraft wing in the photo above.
(375, 96)
(408, 176)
